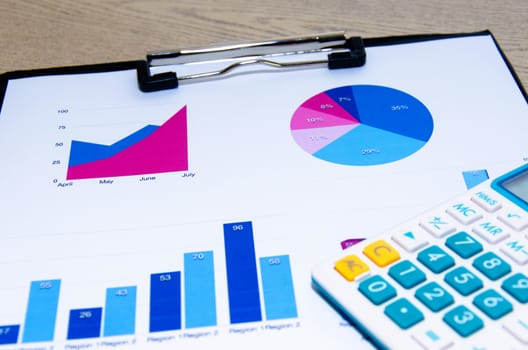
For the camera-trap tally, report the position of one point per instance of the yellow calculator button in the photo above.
(381, 253)
(351, 267)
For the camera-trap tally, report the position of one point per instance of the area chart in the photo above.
(362, 125)
(152, 149)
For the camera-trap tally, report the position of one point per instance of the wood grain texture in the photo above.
(47, 33)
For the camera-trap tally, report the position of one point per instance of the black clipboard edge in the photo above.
(138, 64)
(415, 38)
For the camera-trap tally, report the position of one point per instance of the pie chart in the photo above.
(362, 125)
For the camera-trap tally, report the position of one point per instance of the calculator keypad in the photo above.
(491, 266)
(464, 245)
(463, 281)
(407, 274)
(463, 321)
(461, 265)
(404, 313)
(434, 296)
(492, 304)
(435, 259)
(377, 289)
(517, 286)
(381, 253)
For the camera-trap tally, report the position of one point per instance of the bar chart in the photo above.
(258, 288)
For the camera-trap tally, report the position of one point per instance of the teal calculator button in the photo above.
(517, 287)
(464, 245)
(407, 274)
(492, 304)
(436, 259)
(491, 266)
(403, 313)
(463, 321)
(463, 281)
(434, 296)
(377, 289)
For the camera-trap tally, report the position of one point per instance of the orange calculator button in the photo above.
(381, 253)
(350, 267)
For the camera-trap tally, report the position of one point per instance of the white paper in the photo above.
(244, 165)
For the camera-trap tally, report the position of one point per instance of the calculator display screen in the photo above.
(518, 186)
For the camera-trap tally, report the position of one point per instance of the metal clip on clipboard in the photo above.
(341, 52)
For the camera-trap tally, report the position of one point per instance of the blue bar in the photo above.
(85, 323)
(242, 280)
(9, 334)
(41, 312)
(200, 298)
(473, 178)
(277, 283)
(165, 301)
(120, 311)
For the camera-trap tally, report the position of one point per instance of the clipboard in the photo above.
(143, 210)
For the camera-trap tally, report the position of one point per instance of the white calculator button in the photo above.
(486, 201)
(438, 225)
(432, 339)
(518, 327)
(491, 231)
(411, 241)
(465, 213)
(516, 220)
(516, 249)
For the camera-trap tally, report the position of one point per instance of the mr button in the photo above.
(381, 253)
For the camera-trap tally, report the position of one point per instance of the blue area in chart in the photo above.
(393, 110)
(366, 145)
(85, 152)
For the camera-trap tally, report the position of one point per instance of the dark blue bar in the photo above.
(9, 334)
(242, 280)
(85, 323)
(165, 301)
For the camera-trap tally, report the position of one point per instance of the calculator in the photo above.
(454, 277)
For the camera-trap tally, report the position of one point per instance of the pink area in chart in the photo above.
(312, 140)
(165, 150)
(306, 118)
(324, 103)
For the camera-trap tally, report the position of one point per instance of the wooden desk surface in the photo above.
(47, 33)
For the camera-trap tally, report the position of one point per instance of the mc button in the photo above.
(381, 253)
